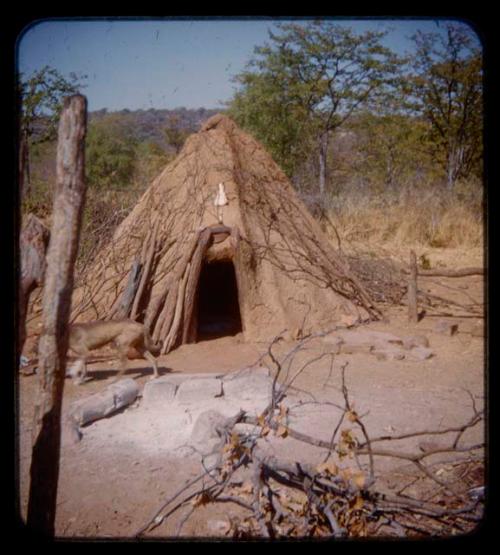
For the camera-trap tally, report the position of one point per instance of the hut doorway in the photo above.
(218, 310)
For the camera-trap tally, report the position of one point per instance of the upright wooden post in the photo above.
(66, 221)
(412, 289)
(33, 243)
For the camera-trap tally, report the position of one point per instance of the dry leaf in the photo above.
(201, 499)
(352, 416)
(265, 431)
(346, 473)
(358, 504)
(235, 438)
(329, 467)
(247, 487)
(359, 480)
(282, 431)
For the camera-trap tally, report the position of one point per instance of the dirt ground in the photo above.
(111, 483)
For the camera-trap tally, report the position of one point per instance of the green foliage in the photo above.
(110, 153)
(41, 96)
(393, 150)
(306, 83)
(175, 134)
(263, 109)
(39, 198)
(150, 160)
(447, 88)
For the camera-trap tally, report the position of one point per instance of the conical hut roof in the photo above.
(288, 274)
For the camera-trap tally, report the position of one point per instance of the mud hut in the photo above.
(191, 267)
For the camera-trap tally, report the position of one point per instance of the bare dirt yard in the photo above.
(127, 465)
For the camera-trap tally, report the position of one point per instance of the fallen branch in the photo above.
(296, 499)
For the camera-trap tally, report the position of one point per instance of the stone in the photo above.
(383, 337)
(218, 527)
(247, 371)
(176, 378)
(415, 341)
(125, 391)
(426, 446)
(355, 348)
(446, 328)
(247, 386)
(114, 397)
(198, 390)
(420, 353)
(388, 354)
(158, 391)
(204, 436)
(363, 341)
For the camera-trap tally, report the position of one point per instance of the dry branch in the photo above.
(463, 272)
(296, 499)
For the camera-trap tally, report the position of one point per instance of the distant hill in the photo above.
(149, 125)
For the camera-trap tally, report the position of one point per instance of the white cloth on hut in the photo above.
(220, 201)
(220, 197)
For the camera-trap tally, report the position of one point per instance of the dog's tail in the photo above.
(153, 348)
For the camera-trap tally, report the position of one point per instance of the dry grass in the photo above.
(429, 218)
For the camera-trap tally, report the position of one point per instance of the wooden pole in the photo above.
(67, 214)
(463, 272)
(33, 243)
(412, 289)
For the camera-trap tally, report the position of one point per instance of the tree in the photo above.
(175, 134)
(110, 153)
(41, 100)
(262, 107)
(393, 148)
(321, 73)
(446, 87)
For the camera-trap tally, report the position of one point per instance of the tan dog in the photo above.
(124, 334)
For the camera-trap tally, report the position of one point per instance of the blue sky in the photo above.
(145, 64)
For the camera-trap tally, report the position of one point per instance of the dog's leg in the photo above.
(152, 360)
(80, 376)
(122, 349)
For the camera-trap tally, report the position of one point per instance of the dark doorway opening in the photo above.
(218, 306)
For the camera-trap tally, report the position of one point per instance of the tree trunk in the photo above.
(24, 166)
(323, 149)
(454, 166)
(67, 214)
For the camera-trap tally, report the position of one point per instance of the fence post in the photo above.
(66, 221)
(412, 289)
